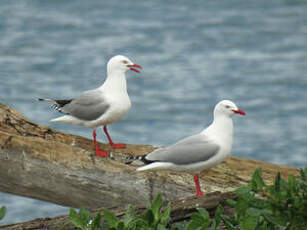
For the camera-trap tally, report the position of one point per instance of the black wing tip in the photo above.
(40, 99)
(132, 158)
(129, 162)
(139, 158)
(145, 161)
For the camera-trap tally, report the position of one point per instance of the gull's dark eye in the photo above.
(125, 62)
(227, 106)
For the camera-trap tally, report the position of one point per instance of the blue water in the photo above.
(194, 54)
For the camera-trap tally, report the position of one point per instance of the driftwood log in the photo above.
(39, 162)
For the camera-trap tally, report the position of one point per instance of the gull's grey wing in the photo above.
(89, 106)
(190, 150)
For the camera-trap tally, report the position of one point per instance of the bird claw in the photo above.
(199, 194)
(100, 153)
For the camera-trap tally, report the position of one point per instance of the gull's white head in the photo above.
(227, 108)
(120, 63)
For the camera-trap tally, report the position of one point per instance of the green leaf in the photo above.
(259, 203)
(277, 182)
(257, 183)
(165, 217)
(130, 215)
(241, 206)
(292, 182)
(149, 217)
(182, 226)
(204, 213)
(205, 217)
(227, 222)
(231, 202)
(197, 219)
(218, 214)
(254, 212)
(110, 218)
(120, 226)
(96, 223)
(73, 215)
(192, 225)
(213, 225)
(75, 218)
(303, 173)
(161, 227)
(84, 215)
(248, 223)
(2, 212)
(139, 223)
(243, 191)
(156, 206)
(276, 220)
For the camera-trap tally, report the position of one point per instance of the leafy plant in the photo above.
(153, 218)
(2, 212)
(84, 220)
(202, 221)
(281, 206)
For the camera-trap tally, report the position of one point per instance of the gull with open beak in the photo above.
(101, 106)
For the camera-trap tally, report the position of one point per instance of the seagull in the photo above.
(197, 152)
(101, 106)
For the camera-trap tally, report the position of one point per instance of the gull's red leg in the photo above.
(114, 146)
(198, 190)
(99, 153)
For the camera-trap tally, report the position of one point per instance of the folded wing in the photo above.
(190, 150)
(89, 106)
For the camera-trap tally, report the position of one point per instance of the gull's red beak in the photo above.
(136, 66)
(239, 111)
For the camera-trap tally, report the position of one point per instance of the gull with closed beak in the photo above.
(198, 152)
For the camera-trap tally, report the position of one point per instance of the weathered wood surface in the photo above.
(181, 211)
(40, 162)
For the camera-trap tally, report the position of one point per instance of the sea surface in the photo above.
(193, 53)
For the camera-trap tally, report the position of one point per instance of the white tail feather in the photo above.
(156, 166)
(64, 119)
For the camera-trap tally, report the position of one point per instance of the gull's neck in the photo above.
(116, 81)
(221, 129)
